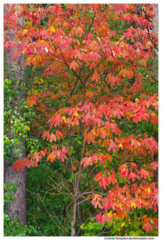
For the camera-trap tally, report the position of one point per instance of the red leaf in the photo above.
(62, 155)
(156, 222)
(55, 120)
(65, 150)
(95, 201)
(107, 205)
(59, 134)
(98, 217)
(17, 165)
(104, 181)
(52, 138)
(112, 146)
(108, 217)
(30, 163)
(98, 176)
(143, 173)
(124, 173)
(79, 31)
(13, 18)
(24, 164)
(154, 165)
(147, 226)
(133, 176)
(46, 134)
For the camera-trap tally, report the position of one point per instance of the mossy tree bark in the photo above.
(17, 207)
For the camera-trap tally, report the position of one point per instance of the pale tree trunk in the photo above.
(156, 30)
(17, 207)
(156, 17)
(74, 209)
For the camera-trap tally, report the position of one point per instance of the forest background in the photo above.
(60, 219)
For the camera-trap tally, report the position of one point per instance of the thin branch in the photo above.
(50, 214)
(71, 69)
(93, 70)
(87, 179)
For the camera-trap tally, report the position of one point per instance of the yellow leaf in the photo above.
(52, 29)
(76, 114)
(120, 205)
(123, 223)
(133, 204)
(149, 190)
(25, 31)
(27, 128)
(121, 145)
(28, 24)
(82, 226)
(64, 118)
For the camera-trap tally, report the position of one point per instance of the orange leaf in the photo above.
(96, 76)
(73, 65)
(51, 157)
(154, 118)
(33, 100)
(79, 31)
(89, 138)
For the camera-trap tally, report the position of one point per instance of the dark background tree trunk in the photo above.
(17, 207)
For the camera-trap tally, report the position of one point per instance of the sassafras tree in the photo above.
(98, 57)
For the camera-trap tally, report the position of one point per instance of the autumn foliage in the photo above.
(97, 57)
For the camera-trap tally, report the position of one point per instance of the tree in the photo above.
(97, 58)
(16, 208)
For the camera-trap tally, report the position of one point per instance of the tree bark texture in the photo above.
(156, 30)
(17, 207)
(156, 24)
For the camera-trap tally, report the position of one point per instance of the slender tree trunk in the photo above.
(17, 207)
(77, 181)
(74, 209)
(155, 30)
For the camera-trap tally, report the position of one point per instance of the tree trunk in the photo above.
(77, 181)
(155, 30)
(155, 9)
(17, 207)
(73, 222)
